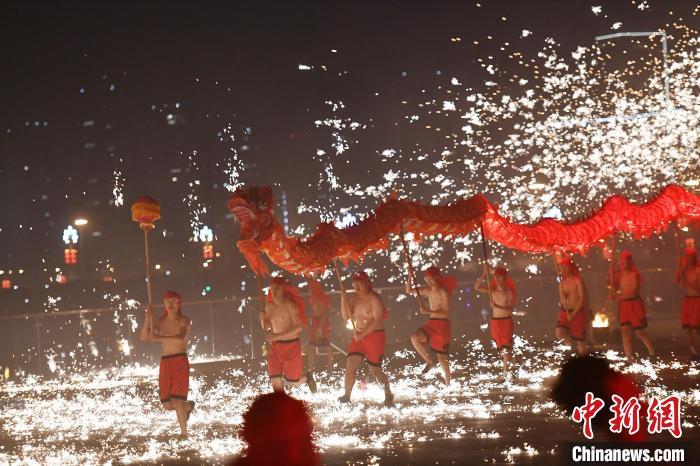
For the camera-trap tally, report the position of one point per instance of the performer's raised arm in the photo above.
(411, 288)
(479, 285)
(146, 330)
(345, 305)
(265, 321)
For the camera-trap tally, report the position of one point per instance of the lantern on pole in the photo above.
(146, 211)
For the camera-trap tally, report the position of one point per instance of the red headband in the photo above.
(279, 280)
(172, 295)
(361, 276)
(624, 255)
(448, 283)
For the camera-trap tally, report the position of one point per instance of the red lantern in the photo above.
(6, 284)
(145, 211)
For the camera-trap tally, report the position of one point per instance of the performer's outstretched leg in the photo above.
(384, 380)
(445, 363)
(627, 342)
(181, 409)
(329, 357)
(563, 334)
(581, 348)
(420, 343)
(352, 363)
(505, 352)
(311, 356)
(692, 343)
(642, 335)
(277, 384)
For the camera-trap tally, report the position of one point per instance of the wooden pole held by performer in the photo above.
(146, 211)
(261, 297)
(561, 278)
(411, 273)
(148, 268)
(486, 261)
(343, 296)
(611, 278)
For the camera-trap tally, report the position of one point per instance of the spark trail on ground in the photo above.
(101, 417)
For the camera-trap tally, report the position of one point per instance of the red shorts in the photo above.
(370, 347)
(174, 377)
(576, 327)
(439, 333)
(284, 360)
(320, 331)
(631, 312)
(690, 312)
(502, 331)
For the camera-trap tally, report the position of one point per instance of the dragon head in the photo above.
(252, 208)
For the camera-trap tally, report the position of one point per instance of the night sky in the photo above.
(87, 89)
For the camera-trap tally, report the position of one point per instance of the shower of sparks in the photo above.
(550, 135)
(194, 205)
(98, 416)
(233, 164)
(118, 189)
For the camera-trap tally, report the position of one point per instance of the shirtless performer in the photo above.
(688, 277)
(631, 315)
(172, 331)
(437, 332)
(283, 321)
(573, 299)
(503, 295)
(320, 325)
(368, 313)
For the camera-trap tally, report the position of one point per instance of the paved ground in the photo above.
(114, 416)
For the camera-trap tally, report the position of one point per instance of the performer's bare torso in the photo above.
(438, 300)
(169, 326)
(280, 316)
(361, 306)
(628, 284)
(691, 280)
(319, 309)
(502, 302)
(571, 294)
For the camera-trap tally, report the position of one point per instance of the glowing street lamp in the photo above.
(206, 234)
(79, 222)
(70, 235)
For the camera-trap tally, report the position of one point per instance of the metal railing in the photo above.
(100, 337)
